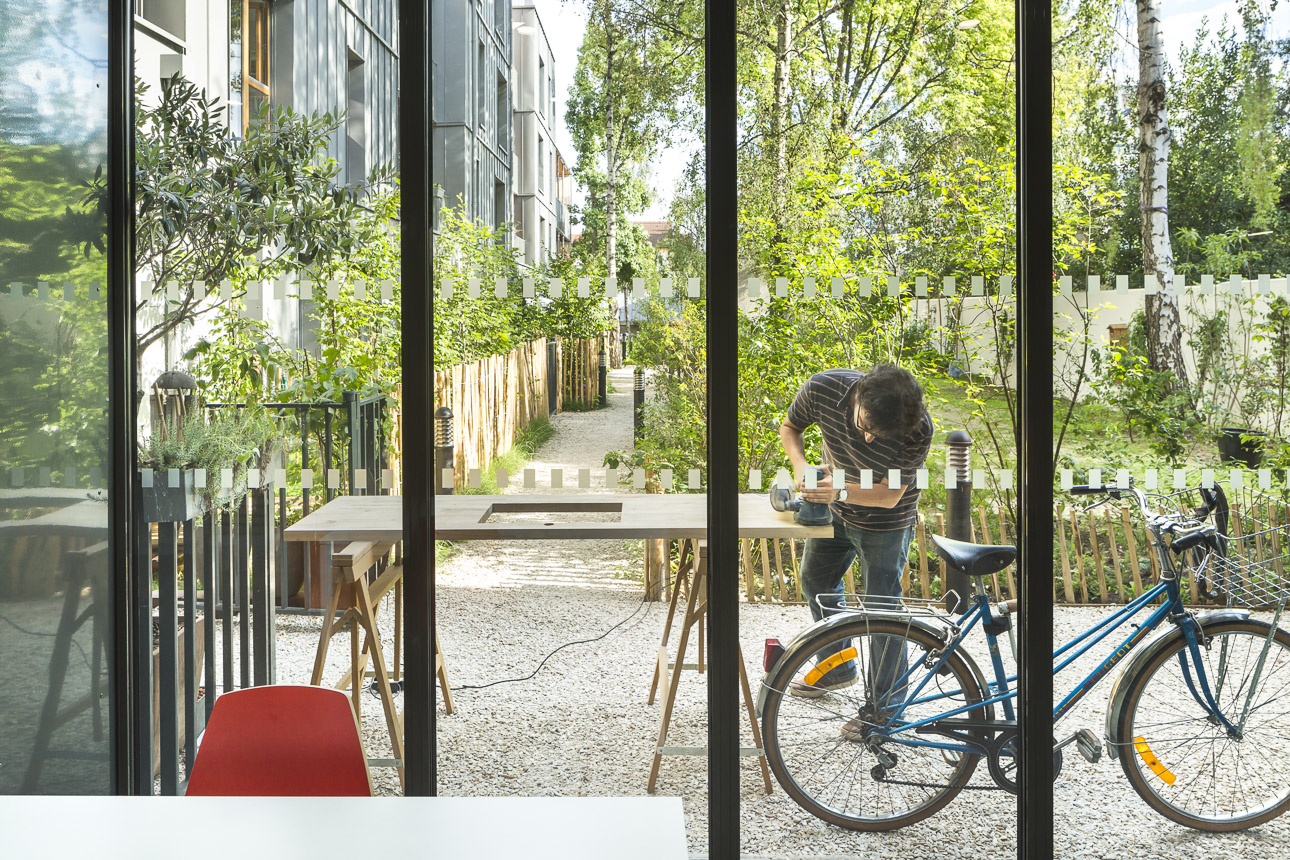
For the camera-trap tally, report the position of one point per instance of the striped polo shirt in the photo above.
(823, 401)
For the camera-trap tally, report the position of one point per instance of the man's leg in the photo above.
(882, 561)
(824, 563)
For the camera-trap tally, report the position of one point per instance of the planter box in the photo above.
(200, 642)
(1231, 447)
(163, 503)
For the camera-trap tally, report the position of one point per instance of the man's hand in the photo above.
(824, 491)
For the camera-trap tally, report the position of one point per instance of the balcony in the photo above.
(561, 218)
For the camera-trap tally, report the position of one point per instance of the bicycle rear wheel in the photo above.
(1182, 761)
(868, 778)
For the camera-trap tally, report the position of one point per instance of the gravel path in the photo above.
(581, 727)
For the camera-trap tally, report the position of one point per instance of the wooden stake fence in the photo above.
(1100, 556)
(493, 399)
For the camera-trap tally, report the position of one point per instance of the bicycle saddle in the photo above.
(974, 559)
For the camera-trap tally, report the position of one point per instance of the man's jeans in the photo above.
(882, 560)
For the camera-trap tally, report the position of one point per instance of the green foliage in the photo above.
(527, 442)
(212, 206)
(1148, 400)
(236, 438)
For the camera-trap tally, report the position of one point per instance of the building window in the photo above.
(499, 206)
(248, 60)
(517, 208)
(541, 83)
(551, 93)
(503, 111)
(541, 240)
(356, 123)
(541, 164)
(165, 15)
(480, 110)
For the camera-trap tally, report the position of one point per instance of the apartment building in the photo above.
(471, 81)
(543, 181)
(313, 55)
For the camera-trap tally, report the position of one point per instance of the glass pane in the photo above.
(55, 602)
(268, 313)
(569, 346)
(1170, 320)
(878, 406)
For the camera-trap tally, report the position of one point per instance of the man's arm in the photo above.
(878, 496)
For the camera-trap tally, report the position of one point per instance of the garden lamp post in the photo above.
(444, 450)
(173, 396)
(958, 505)
(604, 374)
(638, 393)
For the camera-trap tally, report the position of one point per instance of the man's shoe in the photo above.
(856, 728)
(859, 727)
(819, 688)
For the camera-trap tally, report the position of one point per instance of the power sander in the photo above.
(804, 513)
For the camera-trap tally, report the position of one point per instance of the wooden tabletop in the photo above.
(467, 517)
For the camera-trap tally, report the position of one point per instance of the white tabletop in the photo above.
(310, 828)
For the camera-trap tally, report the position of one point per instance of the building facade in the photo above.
(311, 55)
(471, 81)
(543, 181)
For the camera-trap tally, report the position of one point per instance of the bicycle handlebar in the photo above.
(1188, 531)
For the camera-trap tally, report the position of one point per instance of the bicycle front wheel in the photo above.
(1181, 760)
(836, 746)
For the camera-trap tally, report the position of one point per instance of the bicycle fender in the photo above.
(799, 641)
(1162, 640)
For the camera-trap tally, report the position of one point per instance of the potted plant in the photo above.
(235, 438)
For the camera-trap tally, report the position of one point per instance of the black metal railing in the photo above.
(229, 550)
(348, 437)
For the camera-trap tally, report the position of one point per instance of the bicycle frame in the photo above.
(1170, 607)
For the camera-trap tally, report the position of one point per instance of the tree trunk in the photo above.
(1163, 322)
(779, 119)
(611, 155)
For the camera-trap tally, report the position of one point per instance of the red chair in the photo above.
(281, 740)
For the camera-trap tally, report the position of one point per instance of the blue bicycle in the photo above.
(876, 716)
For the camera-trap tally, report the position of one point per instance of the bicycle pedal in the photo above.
(1089, 745)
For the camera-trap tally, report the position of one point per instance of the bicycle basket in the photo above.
(1254, 570)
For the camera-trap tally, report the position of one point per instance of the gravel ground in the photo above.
(582, 727)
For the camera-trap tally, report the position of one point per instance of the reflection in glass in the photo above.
(54, 599)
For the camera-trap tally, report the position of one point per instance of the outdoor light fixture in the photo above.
(968, 24)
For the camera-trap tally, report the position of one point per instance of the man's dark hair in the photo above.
(891, 398)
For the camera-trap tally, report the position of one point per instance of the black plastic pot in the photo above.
(1232, 448)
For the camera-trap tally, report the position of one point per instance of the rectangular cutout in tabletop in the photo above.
(554, 512)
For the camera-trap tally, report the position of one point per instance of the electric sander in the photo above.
(804, 513)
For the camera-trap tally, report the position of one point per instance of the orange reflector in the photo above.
(1140, 744)
(843, 656)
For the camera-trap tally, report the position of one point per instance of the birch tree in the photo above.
(631, 86)
(1164, 325)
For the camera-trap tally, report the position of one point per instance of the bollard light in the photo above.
(445, 453)
(958, 504)
(958, 457)
(442, 427)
